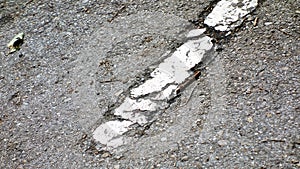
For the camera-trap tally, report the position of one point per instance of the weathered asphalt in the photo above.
(243, 111)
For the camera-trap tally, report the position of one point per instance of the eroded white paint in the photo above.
(227, 12)
(175, 69)
(165, 79)
(133, 109)
(109, 133)
(166, 93)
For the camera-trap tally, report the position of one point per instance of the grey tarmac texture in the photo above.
(243, 111)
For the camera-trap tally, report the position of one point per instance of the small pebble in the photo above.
(250, 119)
(67, 100)
(105, 155)
(268, 23)
(85, 1)
(222, 142)
(184, 158)
(163, 139)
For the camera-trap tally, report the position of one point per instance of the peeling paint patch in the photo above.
(133, 110)
(110, 133)
(229, 13)
(175, 69)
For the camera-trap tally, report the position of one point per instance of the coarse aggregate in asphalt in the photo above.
(242, 112)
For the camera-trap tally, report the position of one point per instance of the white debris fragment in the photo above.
(228, 12)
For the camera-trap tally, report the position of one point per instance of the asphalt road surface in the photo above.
(80, 58)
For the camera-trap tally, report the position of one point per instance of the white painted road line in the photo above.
(132, 109)
(227, 12)
(110, 133)
(175, 69)
(172, 72)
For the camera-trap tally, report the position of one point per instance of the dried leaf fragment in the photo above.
(15, 44)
